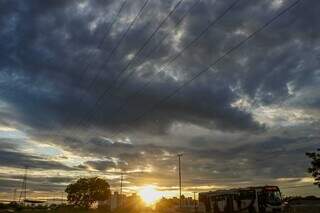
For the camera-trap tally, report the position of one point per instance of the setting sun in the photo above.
(149, 194)
(160, 106)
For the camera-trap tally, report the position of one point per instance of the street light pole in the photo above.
(121, 180)
(179, 157)
(195, 202)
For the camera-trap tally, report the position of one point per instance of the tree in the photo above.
(86, 191)
(315, 166)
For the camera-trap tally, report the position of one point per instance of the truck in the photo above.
(256, 199)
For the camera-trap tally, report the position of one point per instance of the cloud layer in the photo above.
(67, 85)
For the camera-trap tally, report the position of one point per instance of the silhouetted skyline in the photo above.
(96, 88)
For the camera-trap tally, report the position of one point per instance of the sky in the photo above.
(96, 88)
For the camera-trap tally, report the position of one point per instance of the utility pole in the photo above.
(23, 193)
(179, 157)
(25, 184)
(121, 180)
(14, 194)
(195, 202)
(62, 202)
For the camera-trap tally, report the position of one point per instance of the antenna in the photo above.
(14, 194)
(62, 202)
(121, 180)
(23, 192)
(195, 202)
(179, 157)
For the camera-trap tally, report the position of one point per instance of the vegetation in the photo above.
(164, 204)
(315, 166)
(86, 191)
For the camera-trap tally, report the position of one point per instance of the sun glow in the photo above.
(149, 194)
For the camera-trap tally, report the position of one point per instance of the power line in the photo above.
(171, 60)
(106, 35)
(241, 43)
(160, 43)
(107, 91)
(127, 77)
(100, 44)
(232, 49)
(178, 23)
(114, 49)
(190, 44)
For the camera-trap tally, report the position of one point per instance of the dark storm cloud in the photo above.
(49, 54)
(285, 52)
(37, 179)
(101, 165)
(6, 144)
(264, 161)
(19, 160)
(48, 51)
(11, 156)
(37, 184)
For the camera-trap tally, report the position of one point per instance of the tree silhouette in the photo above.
(86, 191)
(315, 166)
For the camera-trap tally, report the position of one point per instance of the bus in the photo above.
(259, 199)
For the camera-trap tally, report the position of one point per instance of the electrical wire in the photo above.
(229, 51)
(171, 60)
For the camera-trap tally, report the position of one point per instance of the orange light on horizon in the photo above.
(150, 195)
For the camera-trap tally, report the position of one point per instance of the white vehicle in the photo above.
(260, 199)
